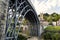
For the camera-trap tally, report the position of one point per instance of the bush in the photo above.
(53, 28)
(48, 35)
(20, 37)
(56, 36)
(52, 33)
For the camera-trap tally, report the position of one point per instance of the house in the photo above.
(58, 22)
(54, 23)
(42, 21)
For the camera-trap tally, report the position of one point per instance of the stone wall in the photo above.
(3, 14)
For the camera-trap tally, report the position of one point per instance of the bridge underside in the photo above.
(25, 10)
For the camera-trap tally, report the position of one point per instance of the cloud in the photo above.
(58, 3)
(36, 3)
(52, 2)
(46, 6)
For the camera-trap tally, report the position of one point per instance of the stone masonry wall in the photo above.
(3, 14)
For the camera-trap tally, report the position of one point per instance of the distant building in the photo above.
(42, 21)
(58, 22)
(54, 23)
(41, 16)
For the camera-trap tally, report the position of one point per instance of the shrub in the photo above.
(56, 36)
(21, 37)
(53, 28)
(52, 33)
(48, 35)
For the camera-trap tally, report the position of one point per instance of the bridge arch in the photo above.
(25, 9)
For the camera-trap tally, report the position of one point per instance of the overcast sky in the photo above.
(49, 6)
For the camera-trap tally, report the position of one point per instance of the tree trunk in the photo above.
(56, 23)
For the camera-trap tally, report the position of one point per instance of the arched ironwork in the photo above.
(23, 9)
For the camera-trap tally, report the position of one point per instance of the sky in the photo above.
(46, 6)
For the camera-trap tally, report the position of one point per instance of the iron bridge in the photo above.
(22, 9)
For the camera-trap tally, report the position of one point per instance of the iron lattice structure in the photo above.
(22, 9)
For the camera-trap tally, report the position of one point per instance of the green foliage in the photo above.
(49, 18)
(56, 36)
(52, 33)
(21, 37)
(48, 36)
(25, 22)
(45, 16)
(53, 17)
(51, 36)
(53, 28)
(50, 23)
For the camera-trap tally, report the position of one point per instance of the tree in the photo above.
(46, 16)
(38, 15)
(49, 19)
(55, 17)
